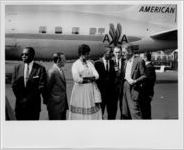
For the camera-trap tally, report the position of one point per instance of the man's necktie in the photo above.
(62, 73)
(107, 66)
(118, 64)
(27, 74)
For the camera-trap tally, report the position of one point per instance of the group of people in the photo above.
(119, 77)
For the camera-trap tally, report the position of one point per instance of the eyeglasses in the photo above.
(26, 54)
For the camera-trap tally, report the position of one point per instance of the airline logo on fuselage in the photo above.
(114, 37)
(156, 9)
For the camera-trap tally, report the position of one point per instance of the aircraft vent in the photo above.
(92, 31)
(58, 30)
(42, 29)
(75, 30)
(101, 31)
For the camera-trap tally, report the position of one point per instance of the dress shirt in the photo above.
(129, 69)
(118, 63)
(60, 71)
(26, 65)
(105, 63)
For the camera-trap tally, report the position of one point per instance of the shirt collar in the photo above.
(148, 62)
(119, 59)
(56, 66)
(131, 59)
(30, 64)
(104, 60)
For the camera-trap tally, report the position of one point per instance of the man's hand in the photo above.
(131, 82)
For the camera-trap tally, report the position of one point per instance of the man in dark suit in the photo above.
(133, 91)
(28, 82)
(148, 86)
(106, 83)
(119, 69)
(57, 104)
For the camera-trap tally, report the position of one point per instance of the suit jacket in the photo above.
(150, 79)
(120, 73)
(138, 73)
(138, 70)
(28, 98)
(106, 79)
(57, 97)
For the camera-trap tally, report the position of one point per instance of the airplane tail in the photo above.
(115, 34)
(158, 14)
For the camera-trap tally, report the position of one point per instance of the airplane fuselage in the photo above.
(138, 22)
(46, 44)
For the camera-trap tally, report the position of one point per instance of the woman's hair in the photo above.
(83, 49)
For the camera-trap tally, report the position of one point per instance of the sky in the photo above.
(28, 18)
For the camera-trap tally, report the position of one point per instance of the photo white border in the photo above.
(153, 134)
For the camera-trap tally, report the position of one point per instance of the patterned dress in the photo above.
(84, 95)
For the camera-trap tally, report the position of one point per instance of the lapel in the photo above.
(21, 73)
(22, 69)
(102, 64)
(33, 70)
(32, 73)
(60, 75)
(133, 66)
(124, 67)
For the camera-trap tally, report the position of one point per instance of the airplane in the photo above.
(53, 28)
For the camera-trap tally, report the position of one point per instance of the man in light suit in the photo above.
(106, 83)
(148, 86)
(28, 83)
(133, 90)
(57, 104)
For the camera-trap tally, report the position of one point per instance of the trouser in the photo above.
(110, 102)
(54, 115)
(119, 94)
(146, 107)
(131, 108)
(27, 115)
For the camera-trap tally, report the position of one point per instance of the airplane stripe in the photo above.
(55, 36)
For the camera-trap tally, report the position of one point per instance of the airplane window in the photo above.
(42, 29)
(101, 30)
(75, 30)
(58, 30)
(92, 31)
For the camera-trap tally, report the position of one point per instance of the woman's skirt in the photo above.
(82, 102)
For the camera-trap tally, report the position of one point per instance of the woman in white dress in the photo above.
(85, 98)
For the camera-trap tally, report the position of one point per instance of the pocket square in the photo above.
(35, 77)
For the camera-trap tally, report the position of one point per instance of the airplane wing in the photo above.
(157, 42)
(166, 35)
